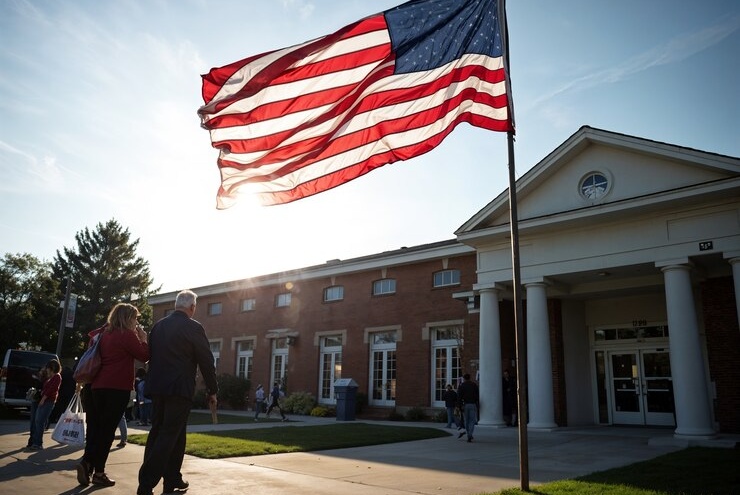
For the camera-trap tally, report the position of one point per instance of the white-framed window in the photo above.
(215, 308)
(383, 368)
(248, 304)
(282, 300)
(330, 366)
(447, 342)
(446, 277)
(216, 351)
(279, 360)
(384, 286)
(334, 293)
(244, 357)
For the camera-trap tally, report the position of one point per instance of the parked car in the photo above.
(19, 373)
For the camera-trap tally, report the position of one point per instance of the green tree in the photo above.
(29, 303)
(105, 270)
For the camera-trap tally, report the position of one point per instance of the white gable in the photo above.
(658, 202)
(634, 168)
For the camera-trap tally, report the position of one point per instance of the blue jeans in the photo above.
(451, 416)
(145, 412)
(470, 412)
(39, 419)
(124, 428)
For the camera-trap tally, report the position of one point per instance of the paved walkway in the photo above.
(442, 466)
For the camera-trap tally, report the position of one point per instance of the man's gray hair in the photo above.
(185, 299)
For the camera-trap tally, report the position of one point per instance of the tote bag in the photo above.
(89, 364)
(70, 429)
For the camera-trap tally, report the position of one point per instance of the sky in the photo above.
(98, 121)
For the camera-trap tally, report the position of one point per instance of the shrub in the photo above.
(395, 416)
(416, 414)
(441, 416)
(360, 402)
(320, 411)
(232, 390)
(199, 399)
(299, 403)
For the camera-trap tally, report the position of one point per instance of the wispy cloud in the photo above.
(26, 171)
(673, 51)
(29, 11)
(304, 9)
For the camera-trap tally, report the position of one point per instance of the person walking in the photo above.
(179, 347)
(467, 394)
(123, 428)
(41, 410)
(450, 398)
(508, 388)
(145, 403)
(122, 342)
(259, 401)
(275, 394)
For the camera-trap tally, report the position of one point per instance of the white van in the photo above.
(17, 375)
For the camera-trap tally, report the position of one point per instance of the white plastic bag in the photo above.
(70, 428)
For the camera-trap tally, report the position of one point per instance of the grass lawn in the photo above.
(693, 471)
(281, 439)
(197, 418)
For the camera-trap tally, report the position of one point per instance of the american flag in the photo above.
(297, 121)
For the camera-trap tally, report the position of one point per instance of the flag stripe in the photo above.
(262, 71)
(296, 121)
(360, 150)
(390, 95)
(290, 188)
(367, 124)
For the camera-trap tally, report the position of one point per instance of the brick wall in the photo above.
(554, 313)
(415, 304)
(723, 348)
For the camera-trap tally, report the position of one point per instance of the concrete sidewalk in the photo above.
(442, 466)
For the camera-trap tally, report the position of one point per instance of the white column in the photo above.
(735, 262)
(693, 413)
(491, 402)
(539, 359)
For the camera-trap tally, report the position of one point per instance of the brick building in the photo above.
(630, 261)
(396, 322)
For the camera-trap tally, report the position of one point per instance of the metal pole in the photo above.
(60, 339)
(521, 337)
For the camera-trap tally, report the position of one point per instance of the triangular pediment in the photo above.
(601, 170)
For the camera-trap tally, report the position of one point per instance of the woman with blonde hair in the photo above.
(123, 341)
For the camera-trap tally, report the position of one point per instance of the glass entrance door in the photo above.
(383, 369)
(641, 387)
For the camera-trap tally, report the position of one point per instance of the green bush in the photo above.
(395, 416)
(320, 411)
(441, 416)
(416, 414)
(298, 403)
(360, 402)
(199, 399)
(232, 390)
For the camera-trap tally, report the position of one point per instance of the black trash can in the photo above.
(345, 392)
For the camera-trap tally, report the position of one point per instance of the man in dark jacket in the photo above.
(178, 346)
(467, 394)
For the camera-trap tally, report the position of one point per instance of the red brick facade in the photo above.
(414, 305)
(723, 347)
